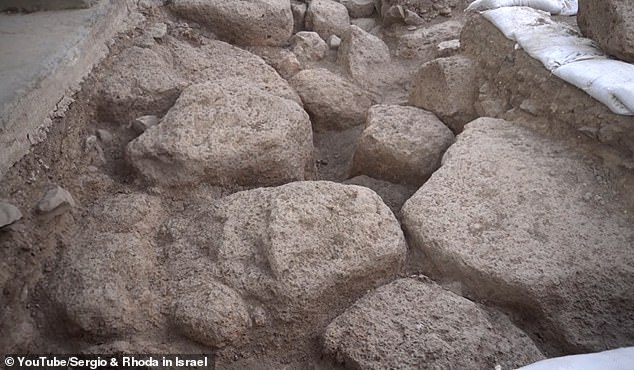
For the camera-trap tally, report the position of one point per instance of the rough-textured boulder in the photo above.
(358, 8)
(360, 53)
(255, 22)
(103, 285)
(296, 251)
(413, 324)
(447, 87)
(611, 24)
(215, 60)
(308, 46)
(526, 223)
(332, 101)
(422, 43)
(327, 18)
(211, 313)
(401, 144)
(141, 81)
(226, 132)
(394, 195)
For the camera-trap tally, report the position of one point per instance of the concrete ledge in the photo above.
(44, 58)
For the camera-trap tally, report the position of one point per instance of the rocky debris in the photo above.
(611, 24)
(401, 144)
(104, 135)
(393, 195)
(334, 41)
(152, 33)
(394, 11)
(143, 123)
(141, 82)
(410, 324)
(358, 8)
(333, 102)
(393, 14)
(308, 46)
(505, 216)
(212, 314)
(327, 17)
(508, 85)
(9, 214)
(360, 53)
(56, 200)
(297, 250)
(259, 22)
(226, 132)
(448, 88)
(94, 151)
(366, 24)
(102, 285)
(447, 48)
(423, 42)
(299, 15)
(215, 60)
(127, 213)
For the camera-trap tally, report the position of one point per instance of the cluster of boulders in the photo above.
(527, 242)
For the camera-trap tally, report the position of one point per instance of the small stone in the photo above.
(94, 150)
(55, 199)
(9, 214)
(308, 46)
(104, 136)
(144, 122)
(447, 48)
(334, 41)
(411, 28)
(157, 30)
(413, 19)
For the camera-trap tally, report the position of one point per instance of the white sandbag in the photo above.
(558, 7)
(616, 359)
(609, 81)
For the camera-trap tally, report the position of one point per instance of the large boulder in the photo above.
(611, 24)
(360, 53)
(526, 223)
(141, 81)
(296, 251)
(447, 87)
(226, 132)
(333, 102)
(414, 324)
(215, 60)
(401, 144)
(255, 22)
(327, 18)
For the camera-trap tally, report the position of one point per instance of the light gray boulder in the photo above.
(327, 18)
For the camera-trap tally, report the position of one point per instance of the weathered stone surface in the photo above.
(332, 102)
(9, 214)
(334, 41)
(393, 195)
(358, 8)
(447, 48)
(226, 132)
(447, 87)
(256, 22)
(366, 24)
(525, 223)
(296, 250)
(37, 5)
(102, 285)
(55, 199)
(611, 24)
(422, 43)
(412, 324)
(141, 124)
(426, 9)
(127, 213)
(327, 17)
(401, 144)
(215, 60)
(211, 313)
(299, 15)
(308, 46)
(360, 53)
(141, 82)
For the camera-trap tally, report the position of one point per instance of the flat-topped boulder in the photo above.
(528, 224)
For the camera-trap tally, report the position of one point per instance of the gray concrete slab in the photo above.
(43, 58)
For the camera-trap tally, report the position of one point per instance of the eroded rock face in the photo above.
(332, 101)
(401, 144)
(447, 87)
(327, 18)
(142, 82)
(525, 223)
(611, 24)
(411, 324)
(257, 22)
(226, 132)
